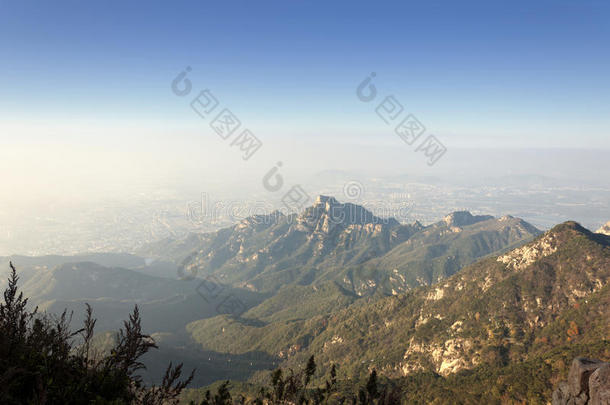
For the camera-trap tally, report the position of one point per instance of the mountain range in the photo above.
(508, 324)
(343, 242)
(469, 298)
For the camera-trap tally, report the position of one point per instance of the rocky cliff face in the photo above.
(331, 240)
(268, 252)
(588, 384)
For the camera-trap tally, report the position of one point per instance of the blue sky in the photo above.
(487, 73)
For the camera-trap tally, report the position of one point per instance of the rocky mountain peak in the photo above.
(605, 229)
(260, 221)
(325, 200)
(547, 244)
(464, 218)
(327, 214)
(570, 228)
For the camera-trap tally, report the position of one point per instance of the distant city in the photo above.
(126, 225)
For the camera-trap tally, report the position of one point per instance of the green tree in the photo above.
(40, 364)
(371, 386)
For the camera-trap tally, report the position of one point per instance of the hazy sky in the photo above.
(86, 86)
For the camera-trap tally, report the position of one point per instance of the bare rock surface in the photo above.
(599, 386)
(605, 229)
(588, 384)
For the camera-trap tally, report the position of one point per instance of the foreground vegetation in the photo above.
(529, 382)
(43, 362)
(295, 388)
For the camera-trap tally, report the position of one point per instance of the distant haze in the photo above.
(98, 152)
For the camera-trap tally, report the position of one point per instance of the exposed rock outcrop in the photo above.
(588, 384)
(599, 386)
(464, 218)
(522, 257)
(604, 229)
